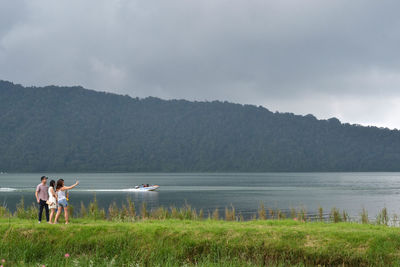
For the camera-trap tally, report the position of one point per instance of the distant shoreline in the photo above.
(155, 172)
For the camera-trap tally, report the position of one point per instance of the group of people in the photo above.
(53, 198)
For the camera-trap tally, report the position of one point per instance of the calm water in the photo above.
(245, 191)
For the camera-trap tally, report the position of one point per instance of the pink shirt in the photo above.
(43, 191)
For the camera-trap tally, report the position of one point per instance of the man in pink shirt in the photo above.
(42, 195)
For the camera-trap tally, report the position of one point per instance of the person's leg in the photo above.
(51, 215)
(46, 207)
(58, 214)
(66, 214)
(40, 210)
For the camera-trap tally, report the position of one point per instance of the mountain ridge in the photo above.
(55, 128)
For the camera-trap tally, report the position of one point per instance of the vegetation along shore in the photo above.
(88, 131)
(130, 236)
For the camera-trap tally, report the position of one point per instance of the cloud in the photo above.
(329, 58)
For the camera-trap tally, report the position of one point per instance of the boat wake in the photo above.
(113, 190)
(7, 189)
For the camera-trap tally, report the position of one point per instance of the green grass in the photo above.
(203, 243)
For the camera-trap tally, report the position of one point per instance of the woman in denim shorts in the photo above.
(61, 190)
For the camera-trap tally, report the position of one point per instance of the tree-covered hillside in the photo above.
(74, 129)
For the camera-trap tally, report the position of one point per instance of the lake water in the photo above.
(245, 191)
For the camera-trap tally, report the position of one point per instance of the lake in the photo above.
(245, 191)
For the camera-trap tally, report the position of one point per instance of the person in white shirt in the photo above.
(52, 202)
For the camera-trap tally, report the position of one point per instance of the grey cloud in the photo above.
(330, 58)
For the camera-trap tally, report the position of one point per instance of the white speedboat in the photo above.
(145, 188)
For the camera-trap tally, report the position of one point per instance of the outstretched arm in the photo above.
(70, 187)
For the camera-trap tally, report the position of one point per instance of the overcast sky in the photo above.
(329, 58)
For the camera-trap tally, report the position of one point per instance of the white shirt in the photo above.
(61, 195)
(52, 199)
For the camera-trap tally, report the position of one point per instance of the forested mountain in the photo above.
(74, 129)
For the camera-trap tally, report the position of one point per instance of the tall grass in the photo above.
(302, 215)
(364, 216)
(143, 211)
(335, 215)
(320, 214)
(126, 212)
(4, 212)
(25, 213)
(83, 211)
(293, 213)
(262, 213)
(93, 210)
(215, 215)
(230, 214)
(382, 217)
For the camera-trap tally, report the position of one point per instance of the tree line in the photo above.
(74, 129)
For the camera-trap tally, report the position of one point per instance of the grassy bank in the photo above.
(203, 243)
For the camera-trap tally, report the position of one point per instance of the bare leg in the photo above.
(58, 215)
(51, 215)
(66, 214)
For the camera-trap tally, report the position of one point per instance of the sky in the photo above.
(328, 58)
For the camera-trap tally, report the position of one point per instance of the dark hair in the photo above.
(52, 183)
(42, 178)
(59, 183)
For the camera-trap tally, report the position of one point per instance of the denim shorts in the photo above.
(62, 203)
